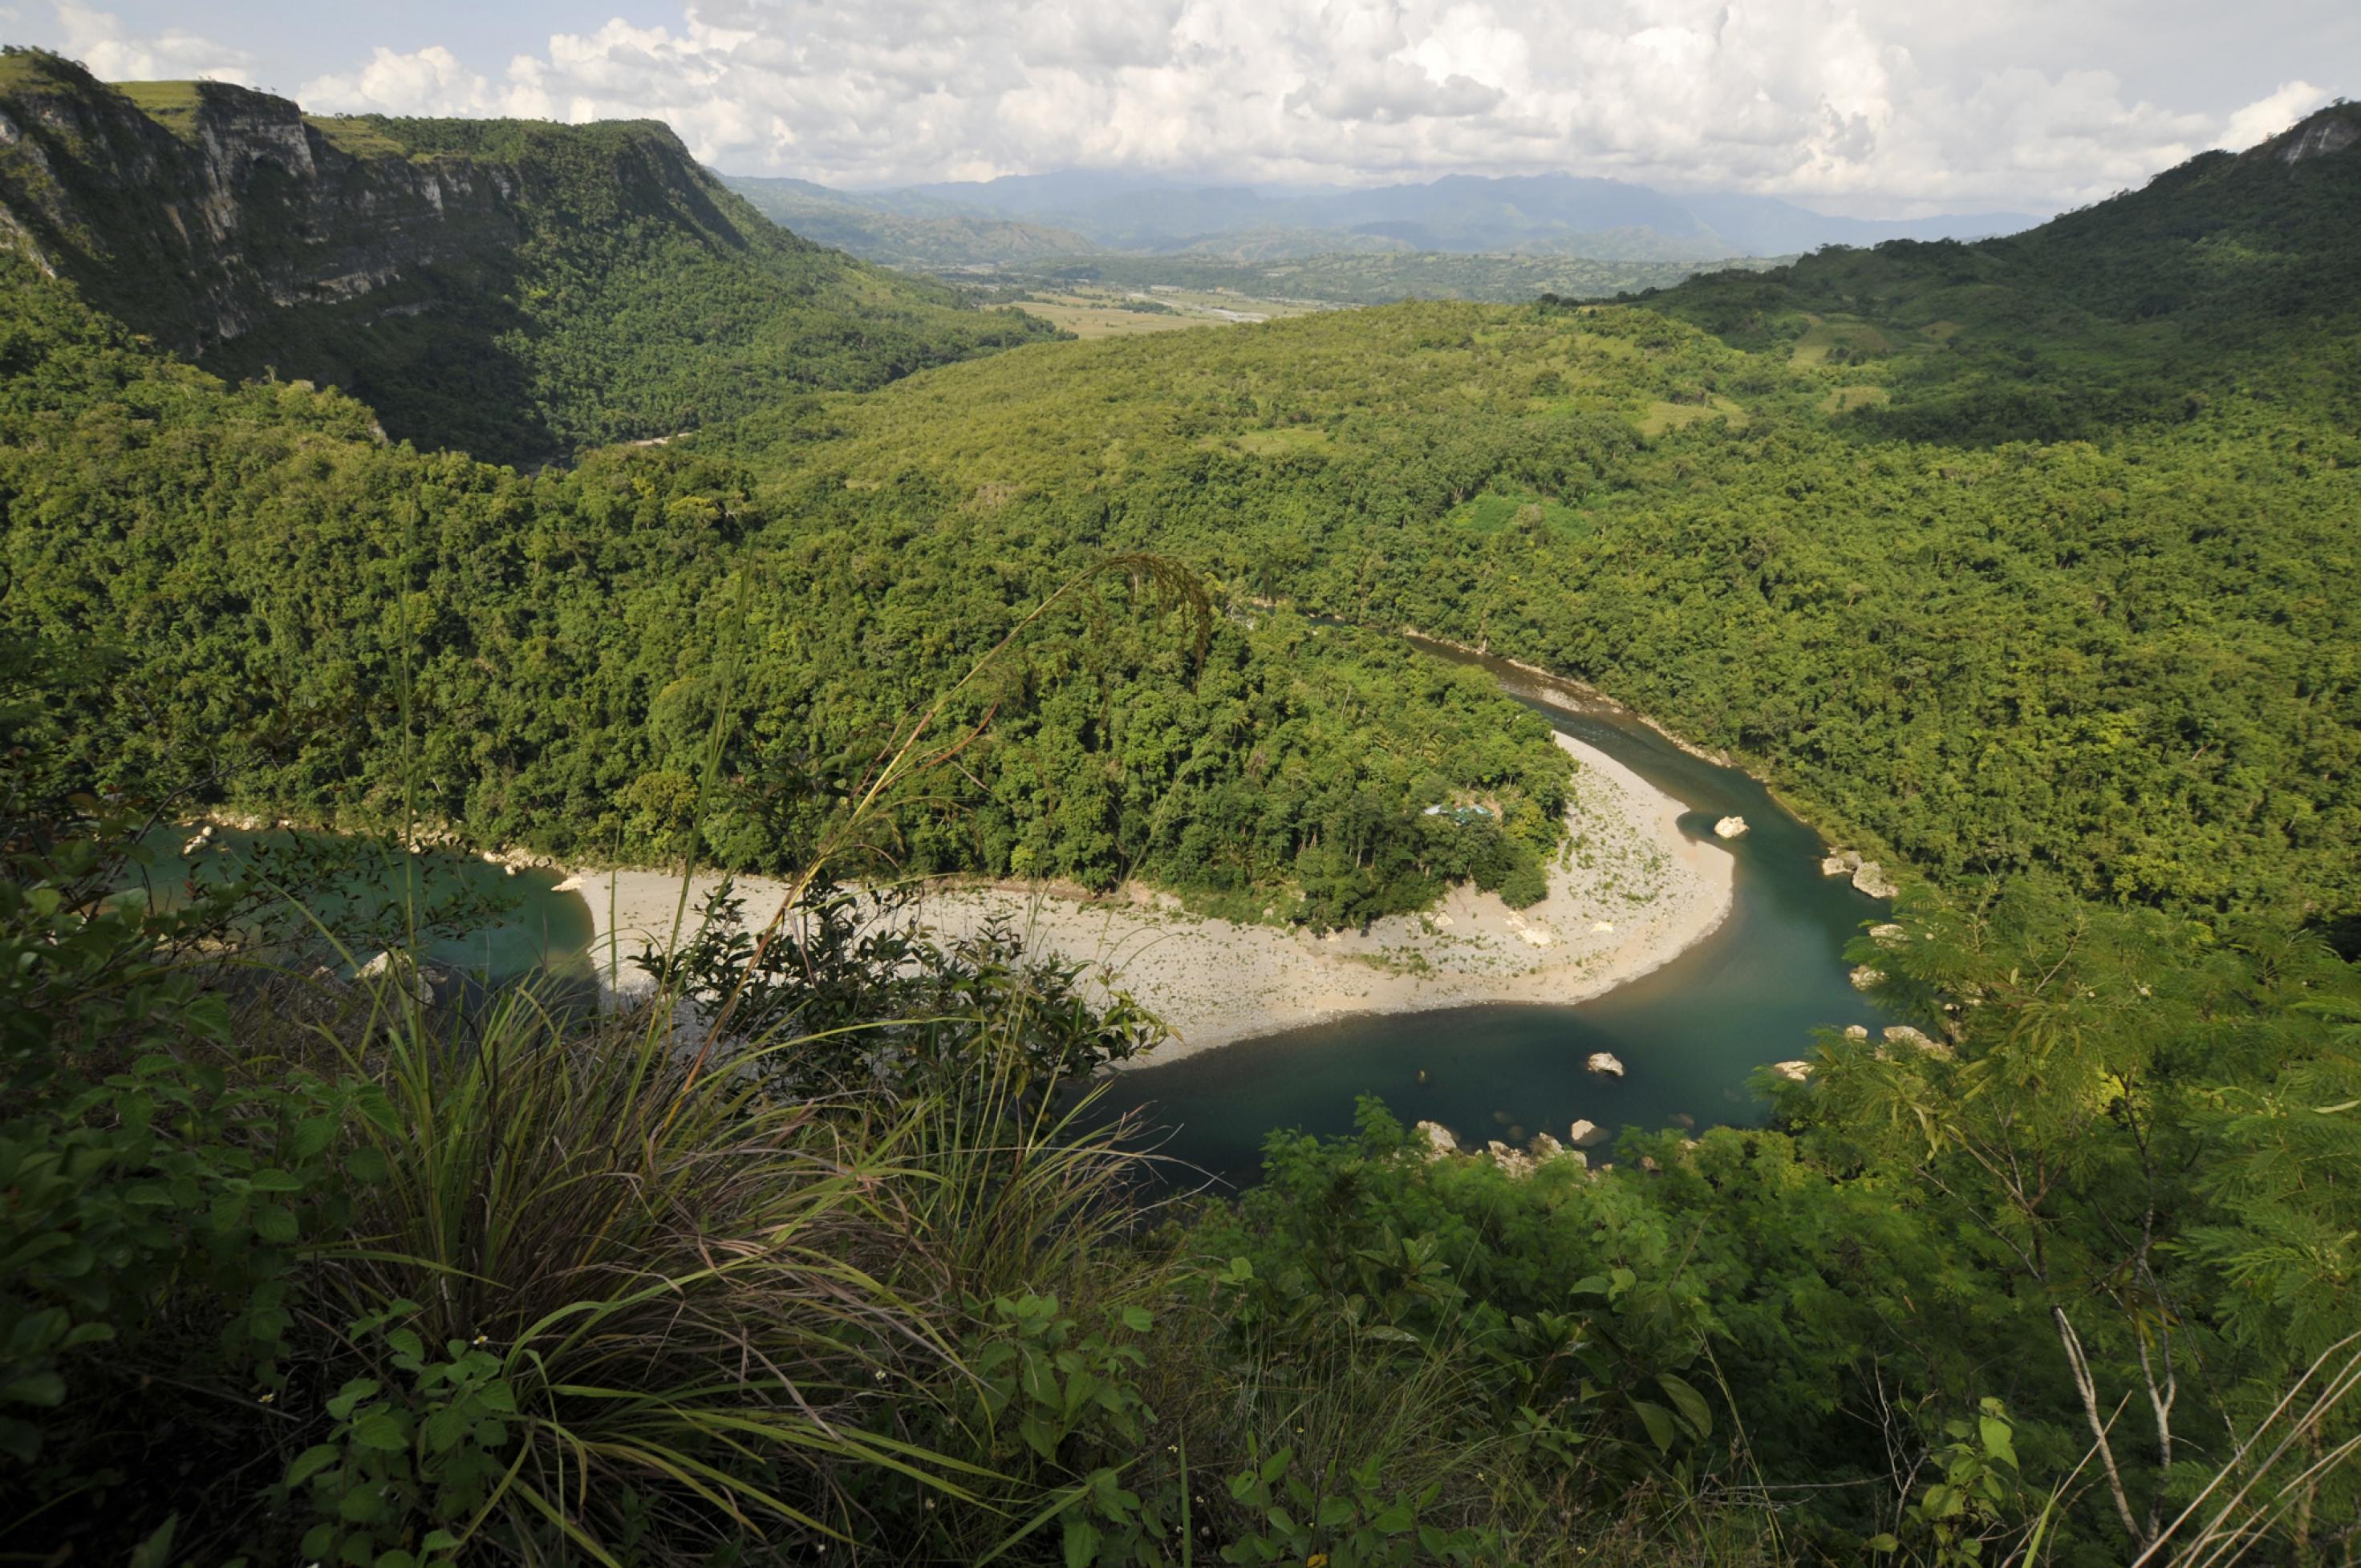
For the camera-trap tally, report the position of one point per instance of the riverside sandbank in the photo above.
(1628, 893)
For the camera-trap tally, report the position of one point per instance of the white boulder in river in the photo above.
(1513, 1162)
(1585, 1132)
(1731, 828)
(1439, 1141)
(1869, 878)
(1604, 1061)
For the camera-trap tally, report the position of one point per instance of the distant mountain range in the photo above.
(1025, 217)
(906, 231)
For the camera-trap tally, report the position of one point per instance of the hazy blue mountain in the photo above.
(1545, 214)
(922, 233)
(1764, 226)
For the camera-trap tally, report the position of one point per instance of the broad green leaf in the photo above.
(276, 1223)
(43, 1387)
(1688, 1402)
(1998, 1441)
(384, 1432)
(351, 1394)
(308, 1463)
(1659, 1422)
(442, 1431)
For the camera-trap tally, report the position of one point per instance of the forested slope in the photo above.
(2126, 657)
(513, 288)
(564, 640)
(2231, 274)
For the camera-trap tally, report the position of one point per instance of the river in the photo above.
(1689, 1035)
(539, 931)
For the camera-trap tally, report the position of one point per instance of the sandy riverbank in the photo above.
(1628, 892)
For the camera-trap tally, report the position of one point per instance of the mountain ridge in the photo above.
(1459, 213)
(878, 231)
(2224, 263)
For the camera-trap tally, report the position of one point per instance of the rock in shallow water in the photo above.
(1606, 1062)
(1869, 878)
(1511, 1162)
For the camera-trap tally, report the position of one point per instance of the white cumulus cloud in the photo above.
(1895, 108)
(424, 82)
(2270, 115)
(113, 53)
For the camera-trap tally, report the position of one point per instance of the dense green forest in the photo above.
(2033, 562)
(569, 637)
(2130, 661)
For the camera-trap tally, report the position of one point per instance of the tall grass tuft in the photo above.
(688, 1298)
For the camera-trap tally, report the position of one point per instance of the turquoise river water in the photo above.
(1689, 1035)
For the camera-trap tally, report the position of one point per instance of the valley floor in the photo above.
(1627, 895)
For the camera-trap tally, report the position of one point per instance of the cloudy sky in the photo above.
(1881, 108)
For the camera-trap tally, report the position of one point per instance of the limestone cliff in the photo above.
(517, 288)
(197, 218)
